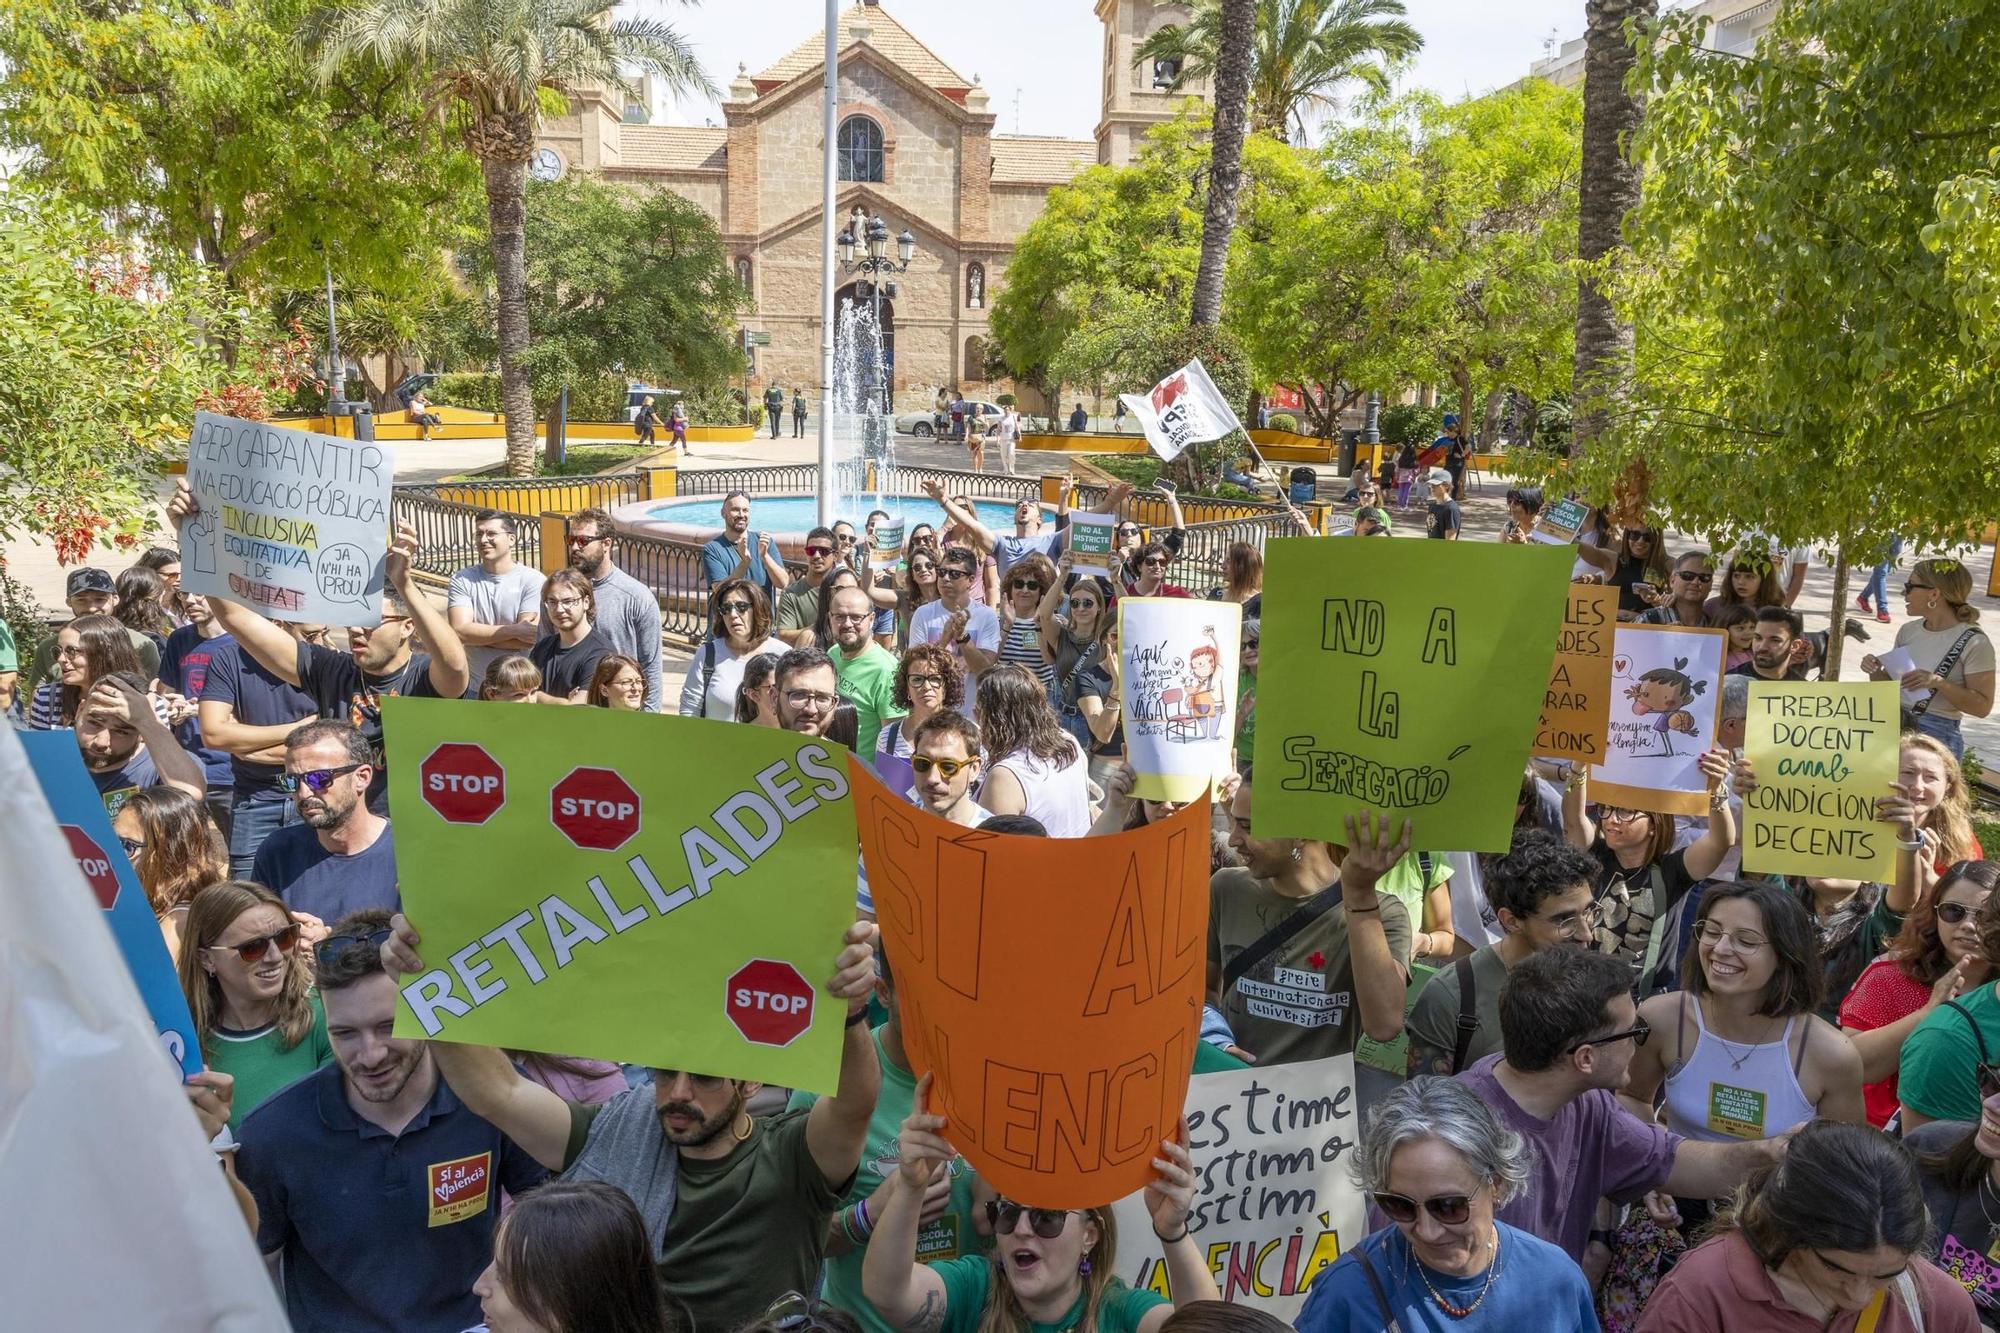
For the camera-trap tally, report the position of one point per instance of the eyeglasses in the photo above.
(133, 846)
(923, 764)
(1250, 645)
(1950, 914)
(1591, 916)
(916, 568)
(1913, 586)
(70, 650)
(851, 617)
(315, 780)
(699, 1082)
(1637, 1033)
(844, 538)
(1083, 603)
(586, 538)
(1617, 816)
(565, 603)
(1015, 585)
(1450, 1209)
(816, 699)
(1157, 562)
(1005, 1215)
(1711, 932)
(1128, 532)
(333, 947)
(954, 572)
(253, 951)
(733, 608)
(926, 682)
(795, 1313)
(1693, 577)
(819, 550)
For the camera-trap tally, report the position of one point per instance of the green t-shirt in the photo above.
(261, 1065)
(1246, 714)
(869, 683)
(1939, 1072)
(951, 1236)
(798, 606)
(1433, 1024)
(1212, 1059)
(967, 1280)
(10, 658)
(1406, 880)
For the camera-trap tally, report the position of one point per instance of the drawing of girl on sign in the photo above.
(1664, 693)
(1203, 685)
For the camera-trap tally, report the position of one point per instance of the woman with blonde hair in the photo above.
(1952, 659)
(1932, 800)
(174, 850)
(511, 679)
(250, 993)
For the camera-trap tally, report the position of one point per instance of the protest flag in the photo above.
(1184, 408)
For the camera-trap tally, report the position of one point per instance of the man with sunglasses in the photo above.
(1684, 603)
(798, 603)
(378, 1190)
(1568, 1027)
(945, 761)
(628, 612)
(736, 1206)
(968, 631)
(1543, 893)
(341, 856)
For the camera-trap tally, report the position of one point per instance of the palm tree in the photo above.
(1233, 31)
(483, 66)
(1303, 51)
(1609, 189)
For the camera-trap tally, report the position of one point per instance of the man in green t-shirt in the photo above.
(1542, 892)
(867, 670)
(798, 604)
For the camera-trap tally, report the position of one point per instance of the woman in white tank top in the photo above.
(1033, 767)
(1740, 1052)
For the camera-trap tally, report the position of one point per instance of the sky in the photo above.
(1050, 51)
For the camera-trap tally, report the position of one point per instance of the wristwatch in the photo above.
(962, 640)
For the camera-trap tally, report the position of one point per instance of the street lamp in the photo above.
(872, 234)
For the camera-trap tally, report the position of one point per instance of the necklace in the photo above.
(1461, 1311)
(1992, 1227)
(1736, 1061)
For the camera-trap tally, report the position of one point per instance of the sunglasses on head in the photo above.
(315, 780)
(1450, 1209)
(331, 949)
(253, 951)
(1005, 1215)
(922, 764)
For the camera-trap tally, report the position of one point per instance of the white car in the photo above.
(923, 425)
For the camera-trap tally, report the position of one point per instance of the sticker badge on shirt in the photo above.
(115, 799)
(938, 1240)
(460, 1188)
(1738, 1112)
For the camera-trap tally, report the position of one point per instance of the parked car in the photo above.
(635, 397)
(923, 425)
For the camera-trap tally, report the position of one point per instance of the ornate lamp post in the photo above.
(871, 235)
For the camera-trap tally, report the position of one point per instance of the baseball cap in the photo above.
(1450, 419)
(90, 579)
(1437, 476)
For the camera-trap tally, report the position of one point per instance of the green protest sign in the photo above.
(660, 891)
(1405, 677)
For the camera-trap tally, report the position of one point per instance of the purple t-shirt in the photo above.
(1594, 1148)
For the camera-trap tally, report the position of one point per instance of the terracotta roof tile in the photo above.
(885, 34)
(672, 147)
(1032, 159)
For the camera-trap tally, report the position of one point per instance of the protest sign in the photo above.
(1184, 408)
(1060, 1079)
(1092, 540)
(1178, 691)
(1824, 753)
(293, 524)
(86, 828)
(1559, 523)
(1393, 1057)
(1666, 681)
(1402, 677)
(674, 900)
(885, 542)
(1274, 1202)
(1576, 708)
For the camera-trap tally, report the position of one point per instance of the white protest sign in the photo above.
(1184, 408)
(1898, 663)
(1274, 1203)
(1666, 682)
(1178, 690)
(1093, 543)
(291, 523)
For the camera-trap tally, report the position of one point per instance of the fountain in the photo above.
(861, 425)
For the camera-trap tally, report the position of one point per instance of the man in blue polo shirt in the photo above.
(377, 1191)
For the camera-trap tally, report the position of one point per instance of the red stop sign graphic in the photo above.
(595, 808)
(769, 1002)
(463, 783)
(95, 865)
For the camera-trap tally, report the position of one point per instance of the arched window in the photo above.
(860, 149)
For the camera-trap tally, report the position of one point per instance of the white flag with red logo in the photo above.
(1184, 408)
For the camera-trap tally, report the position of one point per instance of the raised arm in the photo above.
(968, 522)
(1379, 983)
(274, 650)
(113, 698)
(767, 552)
(450, 672)
(1045, 614)
(1705, 853)
(837, 1126)
(1579, 830)
(1169, 1199)
(908, 1295)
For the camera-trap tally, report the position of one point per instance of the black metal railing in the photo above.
(446, 538)
(1200, 564)
(773, 480)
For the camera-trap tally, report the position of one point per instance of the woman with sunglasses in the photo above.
(916, 585)
(88, 649)
(1032, 590)
(1641, 563)
(1952, 657)
(1935, 958)
(174, 850)
(1937, 1075)
(249, 991)
(1829, 1237)
(618, 683)
(1961, 1173)
(1438, 1165)
(739, 627)
(572, 1256)
(1051, 1268)
(1685, 602)
(1083, 645)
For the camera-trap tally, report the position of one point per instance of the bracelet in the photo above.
(1171, 1240)
(1376, 908)
(867, 1222)
(1914, 846)
(844, 1219)
(858, 1017)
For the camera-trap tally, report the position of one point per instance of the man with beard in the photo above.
(627, 612)
(340, 857)
(808, 691)
(127, 748)
(1774, 652)
(737, 1211)
(866, 670)
(378, 1191)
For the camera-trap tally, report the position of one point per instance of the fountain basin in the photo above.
(787, 518)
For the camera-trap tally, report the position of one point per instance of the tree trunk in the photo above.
(1489, 423)
(1609, 189)
(505, 223)
(1836, 639)
(1225, 170)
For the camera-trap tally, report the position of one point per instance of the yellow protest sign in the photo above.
(1824, 754)
(1577, 706)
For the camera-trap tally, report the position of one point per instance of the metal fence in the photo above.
(1200, 564)
(533, 495)
(446, 540)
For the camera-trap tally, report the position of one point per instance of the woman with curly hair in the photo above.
(174, 850)
(927, 681)
(142, 598)
(1033, 766)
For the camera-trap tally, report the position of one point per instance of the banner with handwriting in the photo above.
(1576, 709)
(1666, 685)
(1824, 753)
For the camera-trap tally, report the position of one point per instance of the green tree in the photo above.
(1304, 52)
(484, 66)
(195, 126)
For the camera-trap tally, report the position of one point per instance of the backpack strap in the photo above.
(1468, 1012)
(1972, 1023)
(1273, 939)
(1656, 885)
(707, 668)
(1389, 1324)
(1945, 665)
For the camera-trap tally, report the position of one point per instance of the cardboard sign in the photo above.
(579, 894)
(1178, 690)
(1666, 682)
(1558, 524)
(1093, 540)
(1824, 754)
(1059, 1079)
(1275, 1203)
(885, 544)
(1403, 677)
(1576, 709)
(1184, 408)
(293, 524)
(100, 857)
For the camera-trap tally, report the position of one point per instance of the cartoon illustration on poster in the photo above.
(1665, 684)
(1178, 684)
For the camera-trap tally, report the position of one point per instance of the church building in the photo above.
(916, 146)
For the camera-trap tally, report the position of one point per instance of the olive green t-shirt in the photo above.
(1434, 1022)
(1298, 1003)
(967, 1280)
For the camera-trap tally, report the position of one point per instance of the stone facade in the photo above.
(965, 193)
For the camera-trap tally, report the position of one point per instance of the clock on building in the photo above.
(547, 165)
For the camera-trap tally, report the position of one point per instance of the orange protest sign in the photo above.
(1576, 710)
(1052, 986)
